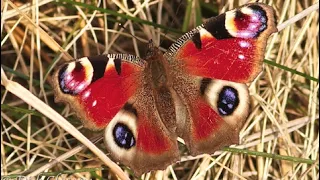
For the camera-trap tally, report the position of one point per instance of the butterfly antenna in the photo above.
(128, 31)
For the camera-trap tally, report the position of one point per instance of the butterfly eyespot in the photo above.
(75, 77)
(123, 136)
(247, 22)
(228, 100)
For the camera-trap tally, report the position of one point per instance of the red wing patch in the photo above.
(105, 97)
(226, 59)
(151, 139)
(204, 119)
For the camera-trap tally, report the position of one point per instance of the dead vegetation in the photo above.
(38, 35)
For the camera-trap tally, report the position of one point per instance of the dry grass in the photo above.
(35, 37)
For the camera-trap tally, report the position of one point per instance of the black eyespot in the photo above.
(228, 100)
(123, 136)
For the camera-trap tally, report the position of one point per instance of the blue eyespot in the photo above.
(123, 136)
(228, 101)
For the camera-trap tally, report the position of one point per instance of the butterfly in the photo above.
(196, 90)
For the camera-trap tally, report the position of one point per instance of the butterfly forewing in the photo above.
(230, 46)
(98, 87)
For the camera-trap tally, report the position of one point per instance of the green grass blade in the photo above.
(269, 155)
(187, 17)
(20, 110)
(291, 70)
(198, 14)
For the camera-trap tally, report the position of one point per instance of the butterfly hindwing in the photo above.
(215, 112)
(210, 65)
(153, 145)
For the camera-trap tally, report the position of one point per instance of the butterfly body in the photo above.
(196, 90)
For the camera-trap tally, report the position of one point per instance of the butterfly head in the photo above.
(153, 52)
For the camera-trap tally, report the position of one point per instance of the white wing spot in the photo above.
(68, 77)
(244, 44)
(241, 56)
(253, 26)
(255, 18)
(94, 103)
(80, 87)
(86, 94)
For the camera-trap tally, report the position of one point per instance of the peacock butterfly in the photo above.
(196, 90)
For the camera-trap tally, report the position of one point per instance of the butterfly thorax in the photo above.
(157, 68)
